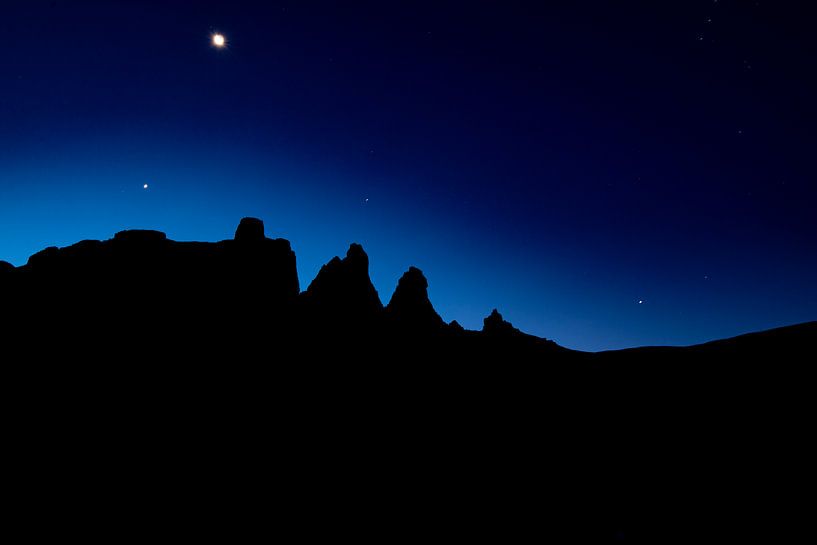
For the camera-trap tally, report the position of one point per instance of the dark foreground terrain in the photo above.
(167, 389)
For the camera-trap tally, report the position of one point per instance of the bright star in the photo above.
(145, 186)
(219, 40)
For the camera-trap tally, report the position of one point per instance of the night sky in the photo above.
(606, 174)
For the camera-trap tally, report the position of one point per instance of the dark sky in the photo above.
(607, 174)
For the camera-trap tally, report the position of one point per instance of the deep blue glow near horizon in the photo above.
(600, 174)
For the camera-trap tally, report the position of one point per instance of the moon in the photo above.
(219, 40)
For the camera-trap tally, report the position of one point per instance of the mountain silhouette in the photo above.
(198, 380)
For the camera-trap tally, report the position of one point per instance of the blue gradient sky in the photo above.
(558, 163)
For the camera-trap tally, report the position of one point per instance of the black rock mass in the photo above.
(147, 378)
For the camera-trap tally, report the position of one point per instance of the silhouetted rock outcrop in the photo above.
(5, 266)
(250, 230)
(265, 269)
(410, 307)
(342, 293)
(110, 286)
(494, 324)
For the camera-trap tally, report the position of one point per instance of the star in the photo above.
(219, 40)
(145, 186)
(640, 301)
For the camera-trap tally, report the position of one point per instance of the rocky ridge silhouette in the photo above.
(183, 360)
